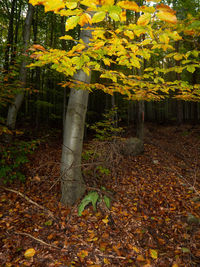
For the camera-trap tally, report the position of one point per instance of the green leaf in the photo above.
(153, 253)
(48, 223)
(99, 16)
(90, 197)
(185, 250)
(191, 68)
(107, 201)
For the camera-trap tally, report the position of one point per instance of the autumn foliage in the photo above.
(119, 47)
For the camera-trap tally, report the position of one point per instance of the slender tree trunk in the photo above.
(13, 109)
(72, 184)
(14, 50)
(9, 37)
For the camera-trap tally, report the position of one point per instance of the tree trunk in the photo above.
(72, 184)
(13, 109)
(140, 120)
(9, 37)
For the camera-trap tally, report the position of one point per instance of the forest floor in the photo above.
(154, 217)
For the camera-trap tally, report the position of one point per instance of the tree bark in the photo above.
(14, 107)
(72, 184)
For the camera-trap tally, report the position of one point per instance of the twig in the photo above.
(100, 253)
(29, 200)
(40, 241)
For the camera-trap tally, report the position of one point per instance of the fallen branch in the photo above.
(40, 241)
(29, 200)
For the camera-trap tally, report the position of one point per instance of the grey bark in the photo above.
(72, 184)
(14, 107)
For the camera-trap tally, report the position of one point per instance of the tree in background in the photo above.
(14, 107)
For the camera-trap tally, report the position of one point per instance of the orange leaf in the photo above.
(85, 19)
(39, 47)
(140, 258)
(165, 8)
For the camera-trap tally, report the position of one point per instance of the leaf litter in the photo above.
(153, 221)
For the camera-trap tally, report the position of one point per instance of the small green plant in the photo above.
(93, 197)
(103, 170)
(13, 157)
(107, 128)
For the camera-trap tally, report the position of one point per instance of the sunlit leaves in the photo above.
(71, 4)
(131, 5)
(71, 23)
(144, 19)
(166, 16)
(191, 68)
(99, 16)
(164, 38)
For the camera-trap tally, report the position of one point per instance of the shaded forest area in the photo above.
(100, 133)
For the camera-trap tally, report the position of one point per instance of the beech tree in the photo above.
(123, 45)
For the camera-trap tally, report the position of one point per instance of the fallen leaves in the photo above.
(155, 213)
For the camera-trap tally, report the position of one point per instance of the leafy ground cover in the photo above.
(154, 219)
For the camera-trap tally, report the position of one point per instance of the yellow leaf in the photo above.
(144, 19)
(178, 57)
(130, 34)
(136, 249)
(71, 5)
(131, 5)
(54, 5)
(167, 16)
(99, 45)
(153, 253)
(66, 37)
(175, 265)
(29, 253)
(107, 2)
(105, 220)
(123, 16)
(164, 38)
(106, 61)
(106, 261)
